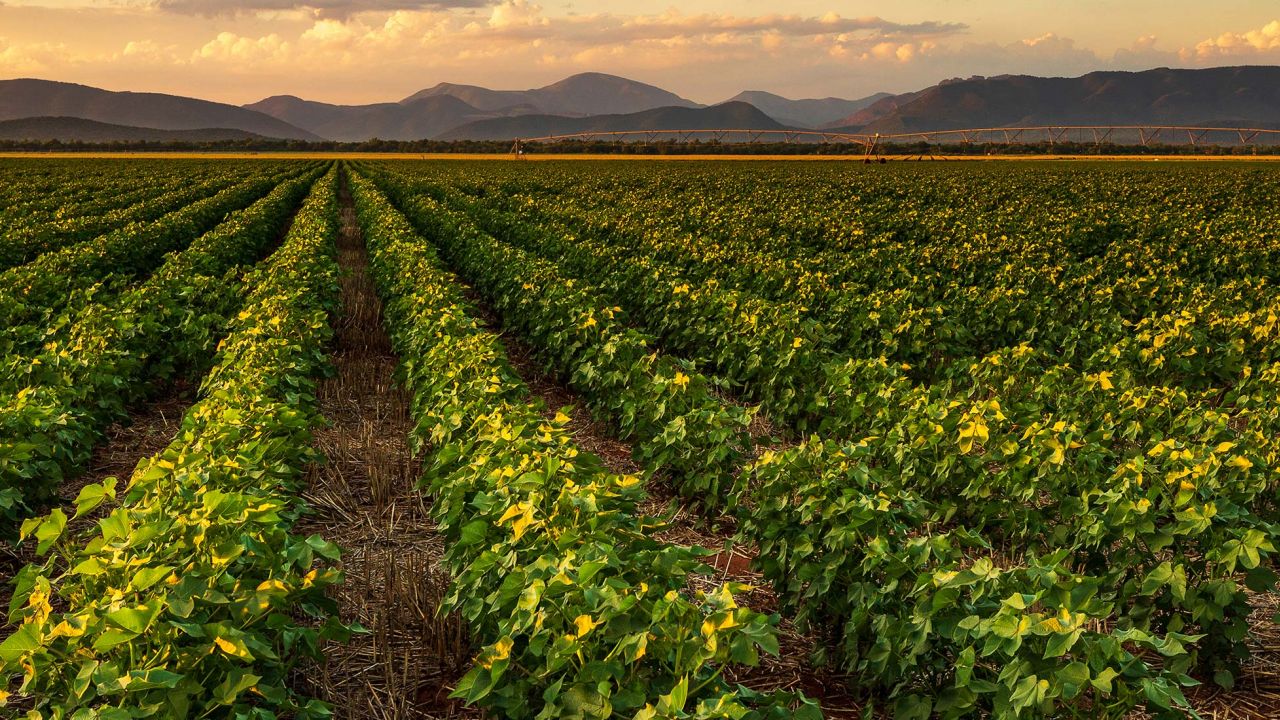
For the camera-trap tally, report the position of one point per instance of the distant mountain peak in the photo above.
(586, 93)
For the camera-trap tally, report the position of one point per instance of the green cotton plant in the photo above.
(186, 597)
(1151, 498)
(56, 403)
(921, 610)
(28, 292)
(579, 611)
(667, 409)
(24, 242)
(765, 348)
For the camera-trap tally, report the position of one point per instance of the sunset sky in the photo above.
(354, 52)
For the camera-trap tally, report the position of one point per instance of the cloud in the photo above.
(33, 58)
(229, 48)
(349, 51)
(1263, 42)
(322, 8)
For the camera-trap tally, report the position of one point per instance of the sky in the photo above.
(350, 51)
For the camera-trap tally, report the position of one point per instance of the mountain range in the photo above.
(28, 98)
(1216, 97)
(595, 102)
(72, 129)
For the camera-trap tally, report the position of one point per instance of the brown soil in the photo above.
(364, 499)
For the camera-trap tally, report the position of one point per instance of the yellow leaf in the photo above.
(226, 646)
(524, 521)
(584, 624)
(272, 585)
(500, 650)
(65, 629)
(511, 512)
(974, 429)
(1239, 461)
(1059, 456)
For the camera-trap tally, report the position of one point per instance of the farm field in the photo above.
(366, 438)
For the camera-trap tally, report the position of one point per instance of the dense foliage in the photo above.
(582, 613)
(182, 598)
(1002, 438)
(1042, 478)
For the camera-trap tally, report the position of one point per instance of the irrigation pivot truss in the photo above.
(1144, 135)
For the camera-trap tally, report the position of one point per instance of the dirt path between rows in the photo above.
(364, 499)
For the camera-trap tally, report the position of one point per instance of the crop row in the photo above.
(186, 596)
(671, 413)
(930, 278)
(579, 611)
(56, 403)
(58, 191)
(29, 237)
(30, 292)
(1020, 536)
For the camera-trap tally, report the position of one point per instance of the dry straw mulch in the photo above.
(364, 499)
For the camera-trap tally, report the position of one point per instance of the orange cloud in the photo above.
(1263, 41)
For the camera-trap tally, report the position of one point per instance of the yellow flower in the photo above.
(1102, 380)
(797, 343)
(1058, 456)
(681, 380)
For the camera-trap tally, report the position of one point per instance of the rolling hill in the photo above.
(1228, 96)
(736, 115)
(583, 94)
(812, 113)
(66, 129)
(27, 98)
(422, 118)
